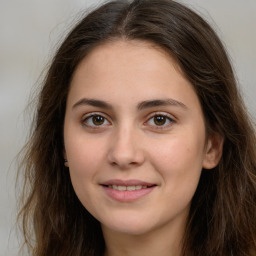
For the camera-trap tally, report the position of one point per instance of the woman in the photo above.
(141, 144)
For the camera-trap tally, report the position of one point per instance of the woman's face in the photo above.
(135, 138)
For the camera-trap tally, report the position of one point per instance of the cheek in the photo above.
(179, 160)
(83, 161)
(82, 151)
(179, 151)
(83, 167)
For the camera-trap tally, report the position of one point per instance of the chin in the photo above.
(128, 226)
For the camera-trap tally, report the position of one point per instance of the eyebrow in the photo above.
(92, 102)
(142, 105)
(160, 102)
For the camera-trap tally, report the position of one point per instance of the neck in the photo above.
(165, 241)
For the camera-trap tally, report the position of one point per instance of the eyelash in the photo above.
(89, 118)
(165, 118)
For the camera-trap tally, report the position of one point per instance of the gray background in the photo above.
(30, 30)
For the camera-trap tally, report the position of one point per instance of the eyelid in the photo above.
(91, 114)
(170, 117)
(161, 113)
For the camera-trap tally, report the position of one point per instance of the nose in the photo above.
(126, 150)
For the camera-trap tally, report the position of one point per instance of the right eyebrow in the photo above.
(161, 102)
(92, 102)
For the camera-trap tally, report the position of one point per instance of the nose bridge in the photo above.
(125, 148)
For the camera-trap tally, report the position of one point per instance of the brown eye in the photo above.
(95, 120)
(98, 120)
(160, 120)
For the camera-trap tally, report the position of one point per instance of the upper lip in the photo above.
(127, 183)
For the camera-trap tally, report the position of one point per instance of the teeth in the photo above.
(121, 188)
(129, 188)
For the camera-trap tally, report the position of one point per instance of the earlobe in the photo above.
(66, 162)
(65, 158)
(213, 151)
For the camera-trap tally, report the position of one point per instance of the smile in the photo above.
(127, 188)
(127, 191)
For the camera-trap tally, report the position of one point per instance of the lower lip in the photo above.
(127, 196)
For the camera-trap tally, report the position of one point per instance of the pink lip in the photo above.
(127, 196)
(127, 183)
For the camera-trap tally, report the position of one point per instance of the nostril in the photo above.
(125, 156)
(124, 165)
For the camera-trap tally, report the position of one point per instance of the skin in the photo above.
(126, 142)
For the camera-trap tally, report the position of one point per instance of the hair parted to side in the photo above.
(222, 218)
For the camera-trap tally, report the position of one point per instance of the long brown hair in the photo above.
(222, 218)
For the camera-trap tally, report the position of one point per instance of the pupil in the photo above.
(98, 120)
(159, 120)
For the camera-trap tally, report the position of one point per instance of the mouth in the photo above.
(127, 191)
(127, 188)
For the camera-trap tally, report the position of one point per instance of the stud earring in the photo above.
(66, 162)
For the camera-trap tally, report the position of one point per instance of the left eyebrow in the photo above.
(160, 102)
(93, 102)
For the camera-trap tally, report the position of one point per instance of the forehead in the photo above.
(140, 69)
(124, 57)
(134, 48)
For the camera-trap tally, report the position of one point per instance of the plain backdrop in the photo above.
(30, 31)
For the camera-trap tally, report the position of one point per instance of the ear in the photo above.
(213, 150)
(65, 158)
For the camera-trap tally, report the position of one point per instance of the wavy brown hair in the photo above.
(222, 219)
